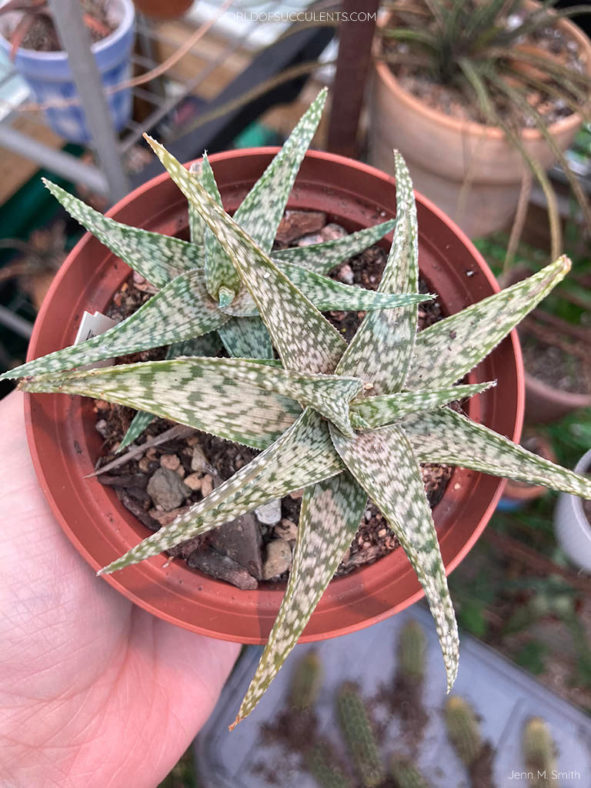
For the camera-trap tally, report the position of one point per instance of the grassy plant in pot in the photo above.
(342, 422)
(500, 86)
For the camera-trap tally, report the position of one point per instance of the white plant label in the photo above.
(91, 326)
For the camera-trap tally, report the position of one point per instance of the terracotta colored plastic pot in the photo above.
(443, 152)
(64, 443)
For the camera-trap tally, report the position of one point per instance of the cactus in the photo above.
(411, 653)
(539, 752)
(321, 765)
(462, 729)
(359, 737)
(306, 679)
(406, 774)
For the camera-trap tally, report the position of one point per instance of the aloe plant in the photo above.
(198, 287)
(342, 422)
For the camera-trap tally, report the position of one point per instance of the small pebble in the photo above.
(144, 464)
(310, 240)
(166, 490)
(332, 232)
(278, 559)
(269, 513)
(287, 530)
(170, 461)
(193, 481)
(346, 274)
(166, 518)
(199, 460)
(102, 428)
(206, 485)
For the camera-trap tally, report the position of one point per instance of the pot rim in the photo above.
(126, 21)
(470, 127)
(342, 597)
(582, 466)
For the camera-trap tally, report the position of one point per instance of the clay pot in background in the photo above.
(442, 152)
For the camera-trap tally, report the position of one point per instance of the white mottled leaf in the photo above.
(218, 396)
(302, 456)
(461, 341)
(374, 412)
(181, 310)
(219, 271)
(226, 397)
(262, 209)
(326, 294)
(140, 422)
(301, 335)
(383, 464)
(380, 351)
(207, 345)
(446, 437)
(196, 224)
(323, 257)
(246, 337)
(158, 258)
(329, 518)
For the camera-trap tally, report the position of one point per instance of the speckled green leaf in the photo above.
(226, 397)
(383, 463)
(322, 258)
(207, 345)
(302, 456)
(242, 337)
(181, 310)
(374, 412)
(447, 437)
(158, 258)
(380, 351)
(196, 224)
(219, 271)
(461, 341)
(219, 396)
(262, 208)
(330, 515)
(246, 337)
(301, 335)
(140, 422)
(326, 294)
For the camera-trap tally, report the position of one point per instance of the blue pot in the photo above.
(49, 78)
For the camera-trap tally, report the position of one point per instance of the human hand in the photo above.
(93, 690)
